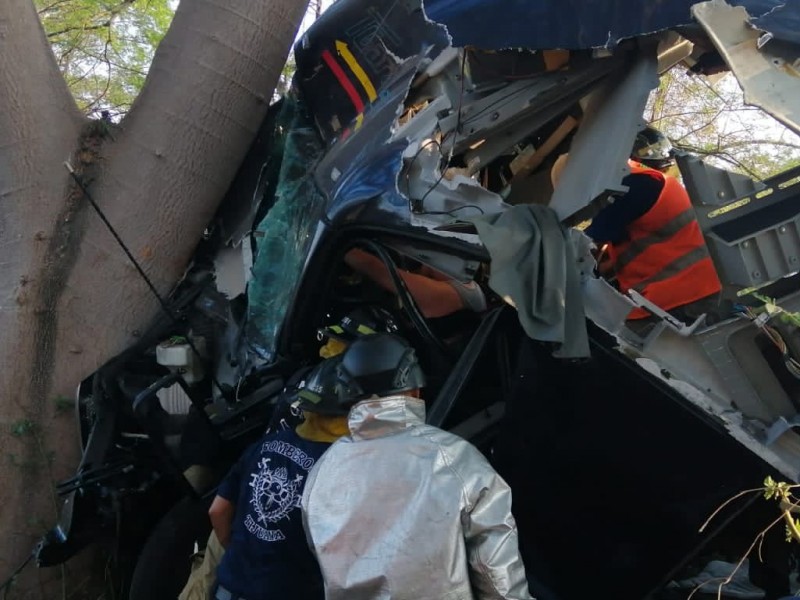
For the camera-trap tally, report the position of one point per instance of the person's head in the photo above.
(318, 393)
(653, 149)
(362, 321)
(378, 365)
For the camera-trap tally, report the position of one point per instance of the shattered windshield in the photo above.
(283, 237)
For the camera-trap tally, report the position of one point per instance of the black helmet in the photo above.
(652, 149)
(318, 392)
(362, 321)
(378, 365)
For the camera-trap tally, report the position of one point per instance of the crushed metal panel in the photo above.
(782, 21)
(578, 24)
(569, 24)
(445, 192)
(770, 75)
(599, 153)
(365, 164)
(710, 187)
(510, 115)
(781, 456)
(353, 53)
(752, 228)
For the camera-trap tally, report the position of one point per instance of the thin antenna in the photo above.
(138, 267)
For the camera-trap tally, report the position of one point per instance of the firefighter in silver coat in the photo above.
(400, 509)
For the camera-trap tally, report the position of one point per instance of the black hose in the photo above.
(407, 301)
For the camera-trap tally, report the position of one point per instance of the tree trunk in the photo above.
(69, 298)
(39, 126)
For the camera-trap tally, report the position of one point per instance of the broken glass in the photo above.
(284, 235)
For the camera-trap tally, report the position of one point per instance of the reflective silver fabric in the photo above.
(403, 510)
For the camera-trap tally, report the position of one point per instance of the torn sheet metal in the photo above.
(349, 57)
(355, 67)
(597, 158)
(574, 24)
(781, 21)
(768, 73)
(517, 110)
(450, 192)
(365, 164)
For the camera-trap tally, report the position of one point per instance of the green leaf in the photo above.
(770, 487)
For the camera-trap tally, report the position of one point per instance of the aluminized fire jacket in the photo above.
(403, 510)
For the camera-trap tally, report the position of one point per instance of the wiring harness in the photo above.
(762, 321)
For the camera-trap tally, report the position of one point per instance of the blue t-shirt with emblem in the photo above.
(268, 556)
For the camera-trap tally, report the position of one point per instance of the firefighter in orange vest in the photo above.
(653, 242)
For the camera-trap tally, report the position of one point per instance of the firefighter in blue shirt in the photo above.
(361, 321)
(256, 513)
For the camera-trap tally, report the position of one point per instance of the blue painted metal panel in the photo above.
(576, 24)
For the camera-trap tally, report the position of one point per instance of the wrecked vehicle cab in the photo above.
(425, 135)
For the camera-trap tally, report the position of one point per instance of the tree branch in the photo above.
(722, 155)
(35, 98)
(676, 115)
(38, 124)
(111, 13)
(105, 59)
(209, 98)
(53, 34)
(701, 127)
(107, 62)
(49, 7)
(745, 143)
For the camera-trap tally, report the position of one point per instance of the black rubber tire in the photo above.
(164, 564)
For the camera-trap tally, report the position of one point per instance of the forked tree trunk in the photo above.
(69, 299)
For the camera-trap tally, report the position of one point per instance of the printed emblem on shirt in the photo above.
(274, 493)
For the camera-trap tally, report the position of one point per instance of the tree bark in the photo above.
(39, 126)
(69, 298)
(171, 162)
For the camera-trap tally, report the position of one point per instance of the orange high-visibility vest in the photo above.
(665, 257)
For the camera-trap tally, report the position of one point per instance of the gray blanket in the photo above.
(533, 267)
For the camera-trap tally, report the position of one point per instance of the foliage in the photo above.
(782, 492)
(285, 80)
(788, 504)
(709, 117)
(104, 47)
(771, 307)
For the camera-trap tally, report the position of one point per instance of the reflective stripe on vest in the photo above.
(675, 267)
(636, 247)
